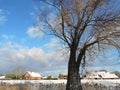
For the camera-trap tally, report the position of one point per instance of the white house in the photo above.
(101, 75)
(32, 75)
(2, 77)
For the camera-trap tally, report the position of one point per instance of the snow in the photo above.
(102, 82)
(101, 74)
(108, 82)
(2, 77)
(12, 82)
(34, 74)
(109, 75)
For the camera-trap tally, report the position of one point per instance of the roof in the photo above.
(101, 74)
(34, 74)
(2, 77)
(109, 76)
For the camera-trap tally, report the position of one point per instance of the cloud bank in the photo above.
(50, 62)
(35, 32)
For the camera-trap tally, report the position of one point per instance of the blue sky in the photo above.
(22, 44)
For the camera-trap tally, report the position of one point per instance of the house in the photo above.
(103, 74)
(29, 75)
(2, 76)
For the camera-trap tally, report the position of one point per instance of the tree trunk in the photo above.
(73, 80)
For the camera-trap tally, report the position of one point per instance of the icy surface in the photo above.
(104, 82)
(12, 82)
(57, 84)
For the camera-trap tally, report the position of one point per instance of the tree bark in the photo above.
(73, 79)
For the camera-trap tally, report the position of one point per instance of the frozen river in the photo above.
(57, 84)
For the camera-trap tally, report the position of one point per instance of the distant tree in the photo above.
(13, 76)
(19, 70)
(61, 76)
(49, 78)
(10, 76)
(85, 27)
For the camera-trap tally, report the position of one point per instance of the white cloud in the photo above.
(47, 62)
(56, 49)
(3, 17)
(7, 37)
(35, 32)
(13, 55)
(54, 43)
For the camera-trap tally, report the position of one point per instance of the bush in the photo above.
(13, 76)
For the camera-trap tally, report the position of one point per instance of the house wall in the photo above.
(28, 77)
(35, 78)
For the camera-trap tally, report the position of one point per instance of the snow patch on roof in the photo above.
(34, 74)
(2, 77)
(102, 74)
(109, 75)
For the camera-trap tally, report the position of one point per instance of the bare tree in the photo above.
(20, 70)
(84, 26)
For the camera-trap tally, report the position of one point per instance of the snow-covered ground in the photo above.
(103, 82)
(57, 84)
(12, 82)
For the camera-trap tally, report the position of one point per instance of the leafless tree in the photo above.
(20, 70)
(84, 26)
